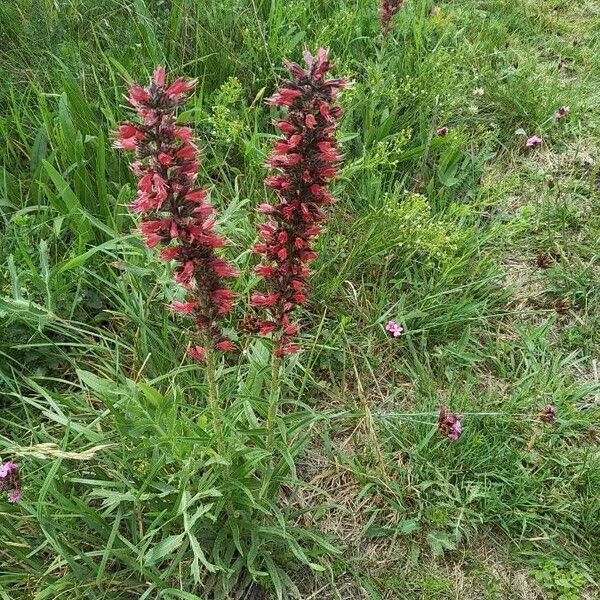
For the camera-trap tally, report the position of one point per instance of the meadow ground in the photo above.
(485, 250)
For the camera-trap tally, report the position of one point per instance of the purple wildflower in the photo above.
(10, 481)
(8, 469)
(533, 141)
(394, 329)
(548, 415)
(449, 424)
(562, 112)
(15, 496)
(442, 131)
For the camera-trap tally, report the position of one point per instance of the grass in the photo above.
(445, 235)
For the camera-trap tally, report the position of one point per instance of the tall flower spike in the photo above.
(304, 160)
(387, 11)
(175, 213)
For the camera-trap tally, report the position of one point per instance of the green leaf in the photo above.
(71, 201)
(175, 593)
(440, 542)
(273, 571)
(98, 384)
(38, 150)
(199, 554)
(80, 260)
(163, 548)
(151, 394)
(66, 193)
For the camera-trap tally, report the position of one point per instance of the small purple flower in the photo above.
(15, 496)
(10, 481)
(394, 329)
(548, 415)
(533, 141)
(442, 131)
(7, 469)
(562, 112)
(449, 424)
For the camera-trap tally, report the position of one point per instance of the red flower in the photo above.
(198, 353)
(225, 346)
(159, 77)
(284, 97)
(184, 308)
(196, 196)
(179, 89)
(223, 300)
(127, 137)
(305, 158)
(264, 301)
(10, 481)
(222, 268)
(168, 254)
(153, 240)
(138, 95)
(286, 127)
(174, 211)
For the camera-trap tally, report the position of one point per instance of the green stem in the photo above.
(273, 400)
(213, 397)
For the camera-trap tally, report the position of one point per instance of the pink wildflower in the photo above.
(533, 141)
(394, 329)
(10, 481)
(449, 425)
(562, 112)
(442, 131)
(15, 496)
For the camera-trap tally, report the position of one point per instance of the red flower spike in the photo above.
(175, 214)
(548, 415)
(304, 159)
(387, 11)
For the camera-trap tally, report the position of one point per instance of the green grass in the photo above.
(442, 234)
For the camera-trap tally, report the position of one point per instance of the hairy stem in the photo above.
(213, 397)
(273, 400)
